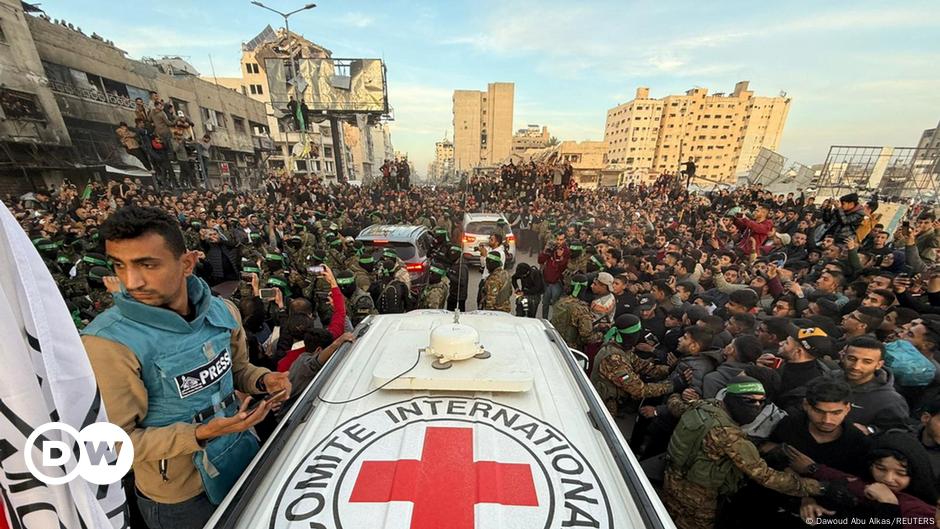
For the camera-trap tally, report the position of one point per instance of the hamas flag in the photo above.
(46, 377)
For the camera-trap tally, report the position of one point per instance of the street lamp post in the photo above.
(293, 71)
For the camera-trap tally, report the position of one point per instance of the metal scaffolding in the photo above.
(899, 173)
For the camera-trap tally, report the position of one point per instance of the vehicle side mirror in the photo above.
(580, 358)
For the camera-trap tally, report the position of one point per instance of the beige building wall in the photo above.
(531, 137)
(468, 111)
(443, 162)
(587, 159)
(233, 116)
(497, 119)
(483, 125)
(723, 133)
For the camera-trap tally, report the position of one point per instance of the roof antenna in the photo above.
(457, 312)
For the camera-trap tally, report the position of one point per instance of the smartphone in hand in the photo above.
(257, 402)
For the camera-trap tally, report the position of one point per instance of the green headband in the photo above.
(493, 256)
(576, 247)
(47, 246)
(390, 254)
(276, 281)
(578, 285)
(345, 280)
(63, 259)
(94, 261)
(251, 269)
(366, 260)
(616, 334)
(746, 388)
(439, 271)
(598, 262)
(273, 257)
(336, 242)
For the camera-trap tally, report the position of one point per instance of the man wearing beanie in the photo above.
(843, 219)
(617, 371)
(710, 457)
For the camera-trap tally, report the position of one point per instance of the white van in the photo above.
(511, 436)
(476, 230)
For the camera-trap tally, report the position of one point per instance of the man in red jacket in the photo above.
(755, 231)
(553, 259)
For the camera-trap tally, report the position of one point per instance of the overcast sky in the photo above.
(859, 72)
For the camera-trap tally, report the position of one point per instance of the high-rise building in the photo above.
(483, 125)
(442, 167)
(531, 137)
(723, 133)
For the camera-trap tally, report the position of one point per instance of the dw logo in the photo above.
(99, 460)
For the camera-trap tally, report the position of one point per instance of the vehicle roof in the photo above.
(582, 436)
(392, 232)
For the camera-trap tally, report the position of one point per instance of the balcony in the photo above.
(91, 94)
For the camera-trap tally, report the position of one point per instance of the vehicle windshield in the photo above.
(482, 227)
(405, 250)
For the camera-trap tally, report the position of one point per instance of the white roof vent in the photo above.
(454, 342)
(456, 360)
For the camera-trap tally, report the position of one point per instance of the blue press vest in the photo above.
(186, 368)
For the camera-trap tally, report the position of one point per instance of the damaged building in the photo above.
(63, 93)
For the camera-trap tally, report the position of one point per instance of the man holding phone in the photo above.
(168, 358)
(801, 353)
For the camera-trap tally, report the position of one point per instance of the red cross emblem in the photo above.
(446, 483)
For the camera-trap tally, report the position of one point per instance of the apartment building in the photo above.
(723, 133)
(483, 126)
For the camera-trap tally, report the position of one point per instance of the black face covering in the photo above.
(348, 290)
(492, 265)
(742, 410)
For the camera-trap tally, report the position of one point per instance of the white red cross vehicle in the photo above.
(511, 435)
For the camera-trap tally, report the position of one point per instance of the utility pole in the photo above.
(293, 72)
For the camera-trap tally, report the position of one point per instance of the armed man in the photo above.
(618, 372)
(709, 457)
(571, 316)
(434, 295)
(497, 287)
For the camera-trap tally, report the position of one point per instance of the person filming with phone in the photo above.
(169, 357)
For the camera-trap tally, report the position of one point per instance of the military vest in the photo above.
(686, 454)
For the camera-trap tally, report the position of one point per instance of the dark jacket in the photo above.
(842, 224)
(531, 282)
(876, 403)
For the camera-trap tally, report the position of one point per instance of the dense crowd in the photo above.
(775, 356)
(162, 138)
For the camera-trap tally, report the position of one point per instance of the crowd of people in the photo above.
(774, 357)
(162, 136)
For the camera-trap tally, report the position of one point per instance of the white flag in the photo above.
(46, 377)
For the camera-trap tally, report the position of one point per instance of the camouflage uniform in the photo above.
(363, 278)
(618, 372)
(359, 306)
(435, 296)
(497, 290)
(708, 457)
(571, 317)
(575, 266)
